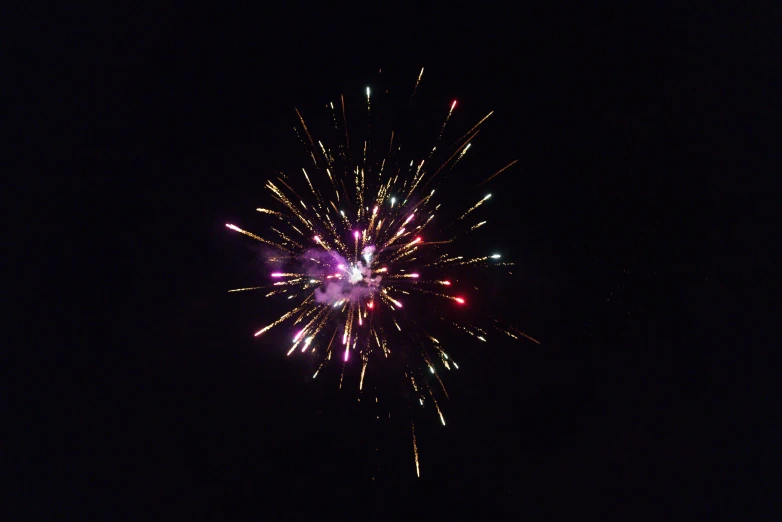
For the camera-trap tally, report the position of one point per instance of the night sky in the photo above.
(640, 217)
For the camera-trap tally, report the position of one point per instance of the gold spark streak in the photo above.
(464, 151)
(363, 370)
(444, 261)
(278, 321)
(437, 406)
(417, 81)
(528, 337)
(345, 123)
(285, 237)
(474, 127)
(475, 260)
(304, 331)
(384, 295)
(288, 283)
(415, 445)
(309, 183)
(498, 172)
(438, 380)
(272, 212)
(460, 150)
(390, 147)
(248, 288)
(478, 204)
(258, 238)
(328, 348)
(306, 131)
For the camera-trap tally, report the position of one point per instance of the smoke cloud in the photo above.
(355, 281)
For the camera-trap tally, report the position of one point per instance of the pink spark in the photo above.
(355, 234)
(459, 300)
(413, 275)
(298, 335)
(317, 239)
(278, 274)
(446, 283)
(370, 305)
(453, 104)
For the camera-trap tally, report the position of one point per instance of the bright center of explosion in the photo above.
(352, 280)
(355, 275)
(362, 272)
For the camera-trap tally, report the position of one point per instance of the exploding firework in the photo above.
(368, 273)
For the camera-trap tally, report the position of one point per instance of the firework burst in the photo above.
(368, 273)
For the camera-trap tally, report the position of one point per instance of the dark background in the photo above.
(640, 215)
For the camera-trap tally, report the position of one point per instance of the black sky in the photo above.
(640, 216)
